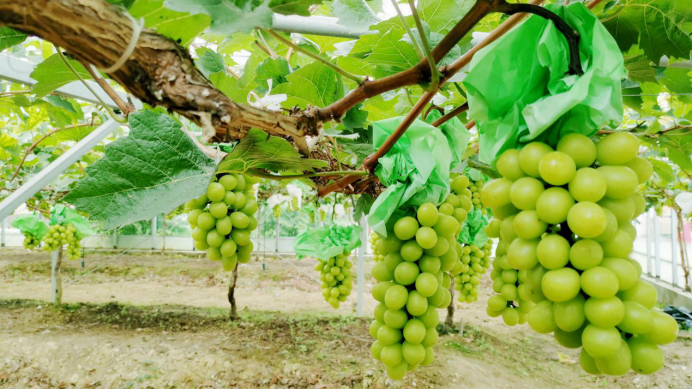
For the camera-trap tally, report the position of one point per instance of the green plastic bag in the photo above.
(457, 135)
(327, 241)
(61, 215)
(473, 229)
(519, 92)
(416, 170)
(31, 224)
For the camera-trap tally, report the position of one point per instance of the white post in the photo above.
(56, 283)
(115, 238)
(658, 258)
(674, 256)
(648, 240)
(360, 268)
(3, 236)
(154, 232)
(276, 238)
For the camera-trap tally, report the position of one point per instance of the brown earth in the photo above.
(152, 321)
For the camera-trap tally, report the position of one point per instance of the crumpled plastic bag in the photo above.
(327, 241)
(417, 168)
(473, 229)
(519, 92)
(31, 224)
(61, 215)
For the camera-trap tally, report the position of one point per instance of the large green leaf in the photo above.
(354, 14)
(258, 150)
(443, 15)
(52, 74)
(176, 25)
(315, 84)
(10, 37)
(276, 69)
(209, 61)
(661, 27)
(228, 16)
(640, 69)
(151, 171)
(392, 54)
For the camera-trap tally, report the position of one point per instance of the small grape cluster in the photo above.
(476, 189)
(223, 218)
(59, 235)
(376, 241)
(31, 241)
(277, 211)
(294, 204)
(421, 255)
(311, 216)
(336, 279)
(564, 222)
(323, 215)
(475, 262)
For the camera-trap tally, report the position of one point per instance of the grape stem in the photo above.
(265, 175)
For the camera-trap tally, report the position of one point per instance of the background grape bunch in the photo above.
(223, 218)
(31, 241)
(421, 255)
(59, 235)
(475, 188)
(564, 221)
(375, 241)
(335, 278)
(475, 262)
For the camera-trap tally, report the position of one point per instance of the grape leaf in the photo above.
(442, 15)
(354, 14)
(292, 7)
(231, 87)
(271, 69)
(662, 26)
(151, 171)
(175, 25)
(10, 37)
(52, 74)
(209, 62)
(315, 84)
(640, 69)
(228, 16)
(258, 150)
(392, 54)
(363, 206)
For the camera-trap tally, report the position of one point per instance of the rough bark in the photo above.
(233, 314)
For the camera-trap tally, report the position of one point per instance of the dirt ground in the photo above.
(160, 321)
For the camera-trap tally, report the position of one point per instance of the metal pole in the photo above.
(674, 250)
(48, 174)
(360, 268)
(658, 259)
(3, 236)
(315, 25)
(154, 232)
(648, 240)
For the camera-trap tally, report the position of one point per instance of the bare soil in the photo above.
(155, 321)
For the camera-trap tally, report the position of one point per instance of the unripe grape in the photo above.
(647, 357)
(641, 167)
(554, 204)
(617, 148)
(508, 165)
(557, 168)
(588, 185)
(621, 181)
(580, 148)
(586, 219)
(525, 192)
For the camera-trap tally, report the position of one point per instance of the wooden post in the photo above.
(451, 307)
(232, 289)
(56, 282)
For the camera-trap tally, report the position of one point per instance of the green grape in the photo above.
(206, 221)
(541, 317)
(580, 148)
(641, 167)
(522, 254)
(601, 342)
(218, 209)
(599, 282)
(525, 192)
(639, 204)
(406, 228)
(530, 155)
(508, 165)
(570, 315)
(664, 329)
(623, 209)
(586, 219)
(611, 226)
(642, 292)
(557, 168)
(427, 214)
(604, 312)
(588, 185)
(617, 364)
(621, 181)
(224, 226)
(496, 193)
(553, 205)
(637, 319)
(527, 225)
(336, 282)
(586, 254)
(426, 237)
(553, 251)
(228, 181)
(625, 272)
(215, 192)
(587, 363)
(647, 357)
(561, 285)
(617, 148)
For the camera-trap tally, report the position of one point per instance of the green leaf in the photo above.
(52, 74)
(271, 69)
(179, 26)
(73, 134)
(209, 62)
(151, 171)
(258, 150)
(355, 118)
(10, 37)
(640, 69)
(354, 14)
(392, 55)
(663, 170)
(228, 16)
(363, 206)
(231, 87)
(292, 7)
(662, 26)
(677, 80)
(442, 15)
(315, 84)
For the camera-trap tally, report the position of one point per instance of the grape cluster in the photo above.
(476, 189)
(277, 211)
(31, 241)
(59, 235)
(375, 241)
(564, 219)
(294, 204)
(475, 262)
(335, 277)
(421, 254)
(223, 218)
(311, 216)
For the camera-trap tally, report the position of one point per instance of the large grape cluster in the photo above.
(475, 262)
(421, 255)
(376, 241)
(223, 218)
(31, 241)
(565, 239)
(335, 278)
(59, 235)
